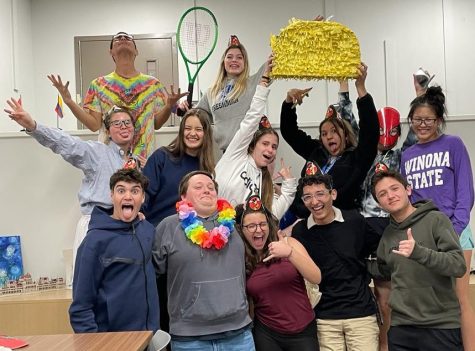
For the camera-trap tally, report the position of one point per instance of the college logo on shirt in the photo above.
(222, 100)
(426, 170)
(249, 183)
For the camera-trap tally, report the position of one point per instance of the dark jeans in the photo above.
(410, 338)
(266, 339)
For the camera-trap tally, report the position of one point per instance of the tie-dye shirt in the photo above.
(142, 94)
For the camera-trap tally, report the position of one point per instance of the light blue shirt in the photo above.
(97, 161)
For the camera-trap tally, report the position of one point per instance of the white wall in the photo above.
(16, 68)
(39, 190)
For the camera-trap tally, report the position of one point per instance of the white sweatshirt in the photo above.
(236, 172)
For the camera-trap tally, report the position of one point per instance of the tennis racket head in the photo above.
(197, 34)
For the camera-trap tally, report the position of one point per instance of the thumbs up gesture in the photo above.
(406, 246)
(279, 249)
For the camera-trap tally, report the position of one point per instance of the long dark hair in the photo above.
(252, 258)
(339, 123)
(206, 153)
(433, 98)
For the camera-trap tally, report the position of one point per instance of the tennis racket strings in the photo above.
(197, 35)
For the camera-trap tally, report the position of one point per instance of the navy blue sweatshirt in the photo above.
(114, 285)
(164, 173)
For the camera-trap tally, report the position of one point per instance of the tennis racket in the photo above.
(196, 36)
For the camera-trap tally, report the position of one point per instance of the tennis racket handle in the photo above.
(189, 98)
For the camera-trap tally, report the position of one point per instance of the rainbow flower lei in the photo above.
(197, 233)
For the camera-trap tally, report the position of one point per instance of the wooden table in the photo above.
(36, 313)
(123, 341)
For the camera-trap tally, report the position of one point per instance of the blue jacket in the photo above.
(114, 280)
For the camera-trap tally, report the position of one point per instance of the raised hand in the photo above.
(172, 97)
(279, 249)
(406, 246)
(420, 90)
(284, 172)
(19, 115)
(63, 89)
(269, 65)
(296, 96)
(360, 81)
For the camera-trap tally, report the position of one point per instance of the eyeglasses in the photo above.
(253, 226)
(120, 36)
(121, 122)
(429, 122)
(317, 196)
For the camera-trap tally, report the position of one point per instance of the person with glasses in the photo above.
(144, 95)
(98, 161)
(438, 168)
(275, 272)
(338, 241)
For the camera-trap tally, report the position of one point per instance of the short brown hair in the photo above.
(316, 179)
(183, 187)
(379, 176)
(129, 176)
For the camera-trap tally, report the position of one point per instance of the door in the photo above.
(157, 57)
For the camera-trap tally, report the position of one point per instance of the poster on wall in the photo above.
(11, 263)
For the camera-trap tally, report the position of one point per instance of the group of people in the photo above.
(233, 254)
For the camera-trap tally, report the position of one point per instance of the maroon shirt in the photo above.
(280, 298)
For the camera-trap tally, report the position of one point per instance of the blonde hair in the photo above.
(240, 84)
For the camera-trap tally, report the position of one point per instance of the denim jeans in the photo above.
(240, 342)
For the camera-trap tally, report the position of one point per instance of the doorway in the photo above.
(158, 57)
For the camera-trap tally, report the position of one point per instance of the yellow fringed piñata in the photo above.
(315, 50)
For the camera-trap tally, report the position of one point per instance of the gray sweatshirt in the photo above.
(206, 287)
(228, 114)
